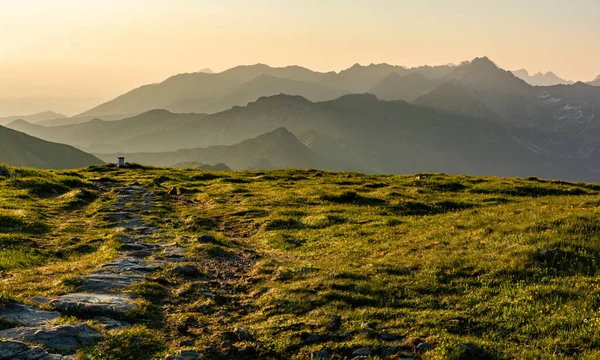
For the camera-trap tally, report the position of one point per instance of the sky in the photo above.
(74, 54)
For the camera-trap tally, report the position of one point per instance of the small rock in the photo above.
(174, 191)
(222, 313)
(189, 354)
(385, 336)
(242, 334)
(111, 324)
(186, 271)
(186, 343)
(313, 339)
(206, 239)
(246, 351)
(392, 350)
(321, 354)
(467, 352)
(361, 352)
(335, 323)
(424, 346)
(4, 172)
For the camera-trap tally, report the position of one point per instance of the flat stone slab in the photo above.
(90, 304)
(60, 338)
(107, 282)
(16, 350)
(174, 252)
(111, 324)
(128, 265)
(23, 315)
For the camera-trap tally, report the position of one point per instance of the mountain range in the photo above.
(209, 93)
(540, 79)
(19, 149)
(473, 118)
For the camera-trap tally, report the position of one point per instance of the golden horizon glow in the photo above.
(81, 53)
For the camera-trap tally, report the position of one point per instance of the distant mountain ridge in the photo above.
(33, 118)
(209, 93)
(540, 79)
(19, 149)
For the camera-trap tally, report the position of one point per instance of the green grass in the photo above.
(508, 267)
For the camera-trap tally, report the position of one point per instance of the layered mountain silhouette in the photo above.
(473, 118)
(19, 149)
(276, 149)
(33, 118)
(595, 82)
(540, 79)
(209, 93)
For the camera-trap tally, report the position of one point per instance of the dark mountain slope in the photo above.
(99, 135)
(276, 149)
(19, 149)
(457, 98)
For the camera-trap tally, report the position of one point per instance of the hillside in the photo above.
(595, 82)
(276, 149)
(99, 135)
(19, 149)
(299, 264)
(33, 118)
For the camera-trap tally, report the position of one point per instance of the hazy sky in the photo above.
(76, 53)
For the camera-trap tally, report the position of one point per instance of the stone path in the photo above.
(102, 294)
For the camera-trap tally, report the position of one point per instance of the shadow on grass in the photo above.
(351, 197)
(413, 208)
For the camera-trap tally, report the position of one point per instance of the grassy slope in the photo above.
(448, 259)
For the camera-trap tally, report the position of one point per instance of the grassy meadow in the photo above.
(477, 267)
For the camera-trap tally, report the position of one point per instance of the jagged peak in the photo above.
(484, 62)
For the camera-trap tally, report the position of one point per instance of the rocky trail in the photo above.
(32, 333)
